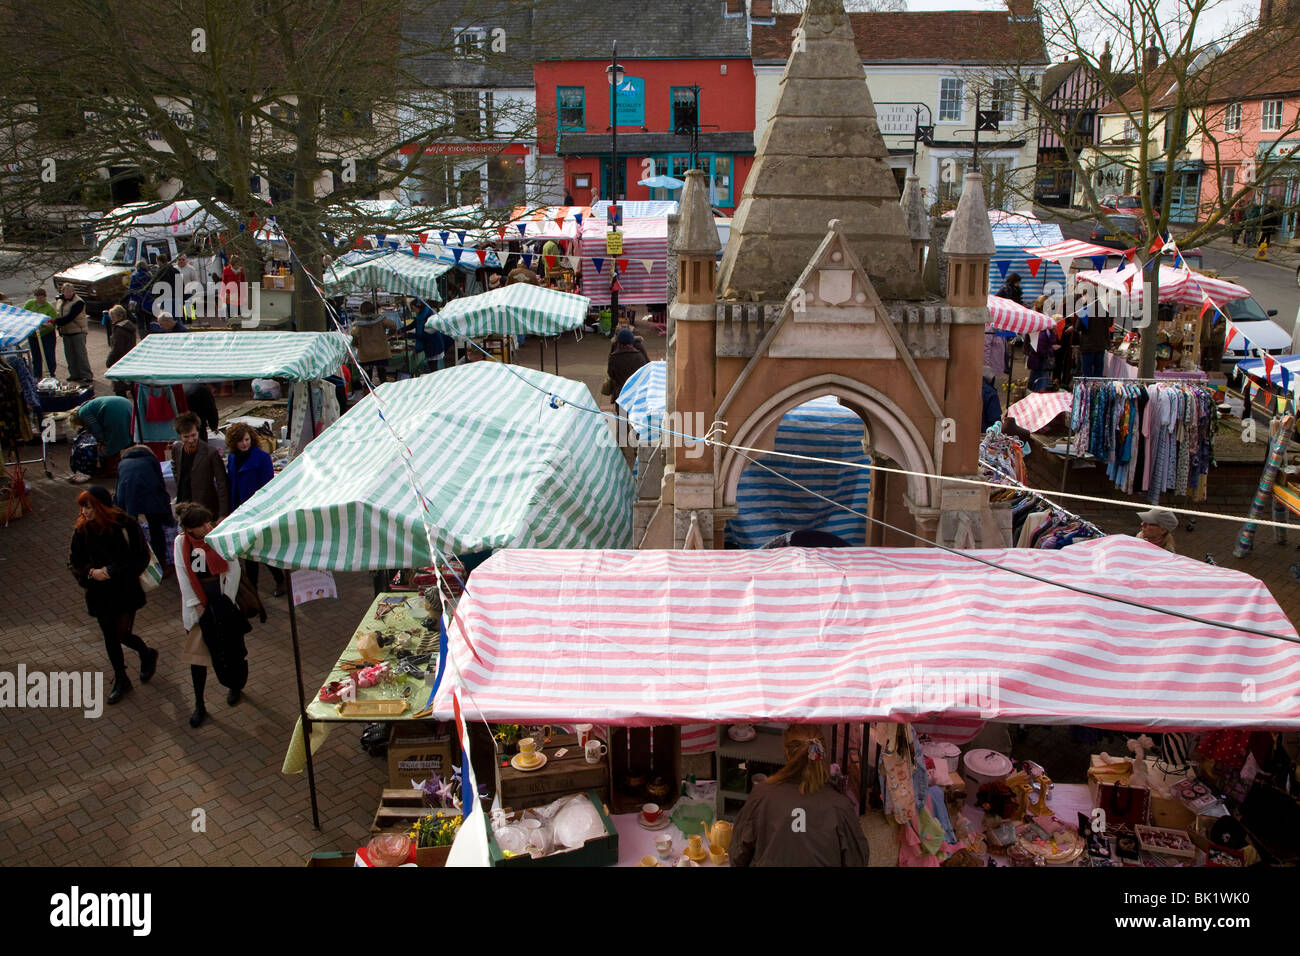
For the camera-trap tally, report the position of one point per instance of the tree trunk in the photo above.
(1151, 309)
(308, 310)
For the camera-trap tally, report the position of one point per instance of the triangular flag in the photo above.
(550, 263)
(575, 262)
(380, 237)
(1283, 405)
(1130, 253)
(1231, 335)
(599, 264)
(615, 286)
(482, 255)
(1099, 262)
(559, 221)
(649, 265)
(455, 252)
(461, 237)
(1157, 245)
(1083, 316)
(252, 223)
(1034, 266)
(1206, 306)
(501, 232)
(1268, 367)
(1128, 283)
(1003, 266)
(1065, 263)
(444, 236)
(577, 217)
(522, 227)
(424, 237)
(392, 244)
(622, 266)
(528, 260)
(1285, 375)
(415, 248)
(361, 242)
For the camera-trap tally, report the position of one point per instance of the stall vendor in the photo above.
(830, 835)
(1158, 526)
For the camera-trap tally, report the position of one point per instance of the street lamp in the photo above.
(614, 73)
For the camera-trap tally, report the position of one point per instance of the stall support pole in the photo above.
(302, 700)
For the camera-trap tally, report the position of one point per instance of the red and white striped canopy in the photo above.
(857, 634)
(1069, 249)
(1037, 409)
(1176, 285)
(1012, 317)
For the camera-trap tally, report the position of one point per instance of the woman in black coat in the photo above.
(108, 555)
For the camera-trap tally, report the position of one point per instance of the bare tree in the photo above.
(318, 105)
(1166, 84)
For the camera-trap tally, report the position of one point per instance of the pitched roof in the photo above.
(661, 29)
(1262, 63)
(932, 36)
(1160, 86)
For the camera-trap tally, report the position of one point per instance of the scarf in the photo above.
(216, 564)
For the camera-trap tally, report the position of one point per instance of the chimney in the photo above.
(1265, 12)
(1021, 9)
(1151, 57)
(760, 9)
(1103, 63)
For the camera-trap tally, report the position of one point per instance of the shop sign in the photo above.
(613, 243)
(896, 119)
(629, 104)
(1278, 149)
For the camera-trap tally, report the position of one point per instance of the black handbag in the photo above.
(223, 627)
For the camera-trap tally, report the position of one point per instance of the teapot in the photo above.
(719, 834)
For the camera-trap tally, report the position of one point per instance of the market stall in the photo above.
(525, 469)
(513, 310)
(768, 503)
(21, 404)
(161, 364)
(698, 623)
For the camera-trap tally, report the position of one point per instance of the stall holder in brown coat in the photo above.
(208, 485)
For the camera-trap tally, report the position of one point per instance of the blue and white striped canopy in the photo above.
(768, 504)
(16, 324)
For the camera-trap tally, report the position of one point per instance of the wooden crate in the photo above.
(649, 752)
(562, 775)
(398, 809)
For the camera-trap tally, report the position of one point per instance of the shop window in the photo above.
(571, 107)
(1004, 100)
(471, 187)
(505, 182)
(721, 181)
(951, 92)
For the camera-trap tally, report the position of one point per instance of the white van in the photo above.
(181, 227)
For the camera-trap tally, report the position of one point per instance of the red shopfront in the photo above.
(659, 106)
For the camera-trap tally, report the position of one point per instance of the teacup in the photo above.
(664, 846)
(649, 861)
(717, 855)
(528, 751)
(594, 750)
(650, 812)
(584, 733)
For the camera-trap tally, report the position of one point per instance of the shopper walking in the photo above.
(71, 323)
(141, 492)
(107, 557)
(208, 584)
(199, 469)
(248, 468)
(42, 341)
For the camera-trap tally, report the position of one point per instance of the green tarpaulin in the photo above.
(516, 309)
(499, 466)
(396, 271)
(178, 358)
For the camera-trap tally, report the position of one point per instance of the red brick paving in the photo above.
(120, 790)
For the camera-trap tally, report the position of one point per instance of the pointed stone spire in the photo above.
(918, 221)
(969, 246)
(697, 233)
(821, 157)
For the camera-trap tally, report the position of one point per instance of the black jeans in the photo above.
(117, 631)
(252, 570)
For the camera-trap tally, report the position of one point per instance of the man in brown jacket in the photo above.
(122, 338)
(71, 322)
(370, 332)
(199, 469)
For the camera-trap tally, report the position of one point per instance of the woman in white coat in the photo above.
(203, 575)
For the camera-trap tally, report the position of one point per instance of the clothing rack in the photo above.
(1013, 482)
(22, 352)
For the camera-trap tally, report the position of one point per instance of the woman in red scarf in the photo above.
(203, 575)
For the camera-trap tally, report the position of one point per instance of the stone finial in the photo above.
(697, 234)
(971, 234)
(834, 225)
(918, 222)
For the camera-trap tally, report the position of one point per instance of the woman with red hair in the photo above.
(108, 555)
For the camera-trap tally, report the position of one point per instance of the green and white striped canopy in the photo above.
(516, 309)
(177, 358)
(398, 272)
(497, 464)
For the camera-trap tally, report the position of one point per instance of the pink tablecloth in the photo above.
(1116, 367)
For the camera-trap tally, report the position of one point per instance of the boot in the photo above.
(148, 664)
(121, 687)
(196, 718)
(233, 697)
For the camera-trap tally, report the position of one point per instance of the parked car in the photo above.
(1114, 236)
(1124, 205)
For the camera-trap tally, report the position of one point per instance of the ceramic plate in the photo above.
(514, 762)
(739, 735)
(662, 822)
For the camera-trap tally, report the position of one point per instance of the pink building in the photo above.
(1252, 117)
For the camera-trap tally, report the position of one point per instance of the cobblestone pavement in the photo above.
(122, 789)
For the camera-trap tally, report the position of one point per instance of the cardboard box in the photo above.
(1171, 814)
(601, 851)
(416, 750)
(277, 282)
